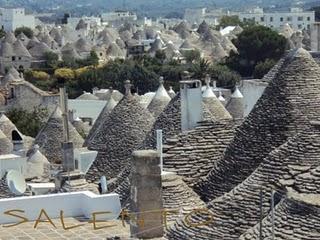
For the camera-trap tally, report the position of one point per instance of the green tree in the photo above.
(27, 31)
(92, 59)
(223, 75)
(192, 55)
(64, 73)
(262, 68)
(255, 44)
(52, 59)
(160, 55)
(29, 123)
(226, 21)
(200, 68)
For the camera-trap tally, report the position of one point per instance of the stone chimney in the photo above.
(191, 103)
(146, 195)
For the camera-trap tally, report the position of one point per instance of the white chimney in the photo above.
(191, 104)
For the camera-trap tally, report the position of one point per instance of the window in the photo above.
(308, 26)
(299, 26)
(281, 19)
(101, 54)
(289, 19)
(300, 19)
(262, 19)
(308, 18)
(271, 19)
(13, 58)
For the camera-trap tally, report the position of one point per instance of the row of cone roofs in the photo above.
(295, 36)
(141, 119)
(37, 163)
(114, 42)
(275, 148)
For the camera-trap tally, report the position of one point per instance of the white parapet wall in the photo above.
(251, 90)
(72, 204)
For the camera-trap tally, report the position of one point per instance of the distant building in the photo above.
(315, 37)
(296, 18)
(72, 22)
(198, 15)
(117, 18)
(12, 18)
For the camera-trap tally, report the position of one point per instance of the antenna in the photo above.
(64, 108)
(16, 182)
(103, 182)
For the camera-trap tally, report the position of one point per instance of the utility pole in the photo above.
(272, 213)
(261, 214)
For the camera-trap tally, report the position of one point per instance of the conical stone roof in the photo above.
(203, 27)
(81, 127)
(169, 120)
(156, 45)
(14, 72)
(294, 218)
(159, 101)
(235, 105)
(50, 137)
(87, 96)
(6, 49)
(9, 37)
(8, 78)
(39, 49)
(192, 154)
(6, 126)
(33, 41)
(20, 50)
(213, 104)
(186, 45)
(110, 105)
(176, 194)
(238, 210)
(82, 45)
(281, 112)
(115, 51)
(118, 136)
(6, 146)
(81, 25)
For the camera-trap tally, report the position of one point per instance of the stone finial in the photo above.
(221, 98)
(207, 80)
(214, 84)
(127, 86)
(161, 81)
